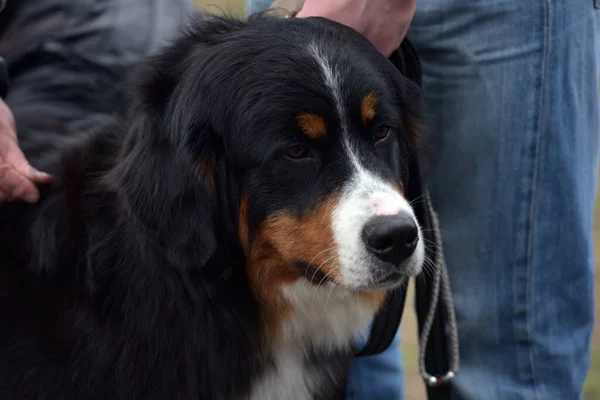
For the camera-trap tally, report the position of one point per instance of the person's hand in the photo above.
(17, 176)
(383, 22)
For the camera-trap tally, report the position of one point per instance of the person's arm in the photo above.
(17, 176)
(383, 22)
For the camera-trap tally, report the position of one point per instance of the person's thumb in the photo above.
(33, 174)
(14, 156)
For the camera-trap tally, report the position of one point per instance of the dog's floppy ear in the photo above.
(169, 178)
(165, 188)
(166, 196)
(158, 78)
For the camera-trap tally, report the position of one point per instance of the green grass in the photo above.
(413, 383)
(234, 8)
(592, 384)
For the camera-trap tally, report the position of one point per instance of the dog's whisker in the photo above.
(317, 286)
(316, 270)
(319, 253)
(429, 269)
(329, 295)
(319, 267)
(431, 243)
(416, 200)
(331, 289)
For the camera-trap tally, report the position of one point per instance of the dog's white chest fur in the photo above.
(326, 319)
(289, 379)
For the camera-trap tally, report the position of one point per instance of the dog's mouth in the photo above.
(381, 278)
(312, 274)
(386, 279)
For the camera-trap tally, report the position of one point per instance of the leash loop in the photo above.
(442, 279)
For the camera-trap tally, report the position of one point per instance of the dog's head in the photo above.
(288, 140)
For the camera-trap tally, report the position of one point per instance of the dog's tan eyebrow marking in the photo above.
(312, 125)
(368, 107)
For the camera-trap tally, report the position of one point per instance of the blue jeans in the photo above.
(511, 89)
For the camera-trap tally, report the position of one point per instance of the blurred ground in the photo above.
(592, 387)
(414, 385)
(230, 7)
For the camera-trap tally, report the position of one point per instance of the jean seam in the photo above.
(535, 188)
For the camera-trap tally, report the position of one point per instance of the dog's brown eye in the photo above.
(382, 133)
(296, 152)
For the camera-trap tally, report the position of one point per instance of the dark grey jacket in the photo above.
(64, 56)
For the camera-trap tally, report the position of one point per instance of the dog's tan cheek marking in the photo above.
(312, 125)
(368, 107)
(282, 240)
(308, 238)
(267, 275)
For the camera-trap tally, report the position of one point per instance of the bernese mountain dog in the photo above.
(229, 236)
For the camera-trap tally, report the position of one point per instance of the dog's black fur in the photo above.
(126, 280)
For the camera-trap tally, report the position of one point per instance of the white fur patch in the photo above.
(326, 317)
(332, 81)
(288, 380)
(365, 196)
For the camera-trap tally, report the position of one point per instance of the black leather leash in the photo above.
(3, 66)
(4, 81)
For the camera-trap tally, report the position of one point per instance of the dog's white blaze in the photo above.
(365, 196)
(332, 81)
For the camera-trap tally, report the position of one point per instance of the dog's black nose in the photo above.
(392, 238)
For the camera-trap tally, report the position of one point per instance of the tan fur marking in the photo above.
(243, 223)
(312, 125)
(373, 299)
(413, 129)
(398, 186)
(206, 169)
(281, 240)
(368, 107)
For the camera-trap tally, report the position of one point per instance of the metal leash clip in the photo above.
(434, 381)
